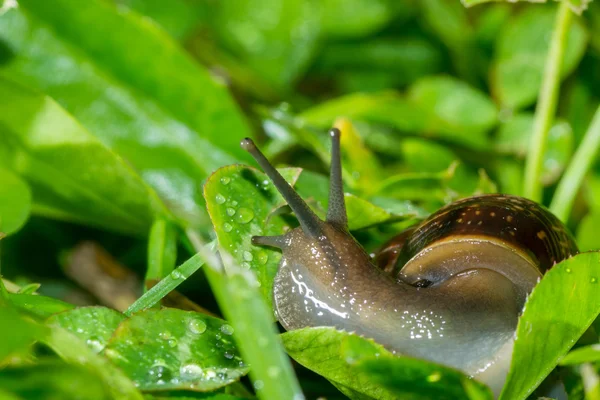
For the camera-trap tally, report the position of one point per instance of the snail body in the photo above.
(449, 290)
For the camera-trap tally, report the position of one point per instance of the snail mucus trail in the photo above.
(479, 258)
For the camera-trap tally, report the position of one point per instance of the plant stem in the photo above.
(582, 161)
(546, 106)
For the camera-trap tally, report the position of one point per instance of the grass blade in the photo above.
(567, 189)
(546, 107)
(166, 285)
(240, 301)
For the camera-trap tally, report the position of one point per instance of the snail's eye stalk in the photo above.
(336, 209)
(310, 223)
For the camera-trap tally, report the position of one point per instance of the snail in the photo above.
(449, 290)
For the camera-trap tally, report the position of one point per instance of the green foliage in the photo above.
(120, 123)
(363, 369)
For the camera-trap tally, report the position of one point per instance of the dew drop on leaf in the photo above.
(594, 280)
(228, 355)
(160, 372)
(227, 227)
(175, 275)
(230, 211)
(248, 256)
(225, 180)
(219, 198)
(262, 257)
(196, 327)
(245, 215)
(227, 329)
(190, 371)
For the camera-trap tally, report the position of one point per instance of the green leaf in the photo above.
(162, 250)
(437, 106)
(178, 17)
(587, 232)
(53, 380)
(40, 306)
(314, 188)
(167, 117)
(93, 325)
(71, 174)
(166, 285)
(240, 301)
(367, 370)
(357, 18)
(576, 5)
(521, 55)
(172, 349)
(18, 334)
(75, 352)
(15, 202)
(454, 109)
(560, 309)
(276, 38)
(241, 201)
(586, 354)
(514, 136)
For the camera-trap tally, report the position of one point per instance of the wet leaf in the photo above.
(71, 174)
(363, 368)
(15, 202)
(40, 306)
(165, 117)
(241, 201)
(172, 349)
(560, 309)
(240, 300)
(68, 347)
(92, 325)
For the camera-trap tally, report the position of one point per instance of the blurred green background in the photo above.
(114, 113)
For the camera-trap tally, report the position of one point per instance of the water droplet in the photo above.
(434, 377)
(568, 270)
(175, 275)
(95, 344)
(265, 182)
(248, 256)
(227, 227)
(172, 342)
(273, 372)
(262, 257)
(160, 372)
(190, 372)
(245, 215)
(594, 280)
(228, 355)
(196, 326)
(230, 211)
(245, 265)
(225, 180)
(234, 203)
(219, 198)
(258, 385)
(227, 329)
(166, 335)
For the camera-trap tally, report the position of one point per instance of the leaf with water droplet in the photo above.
(170, 349)
(254, 216)
(93, 325)
(363, 369)
(560, 309)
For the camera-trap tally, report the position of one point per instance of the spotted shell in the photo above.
(515, 220)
